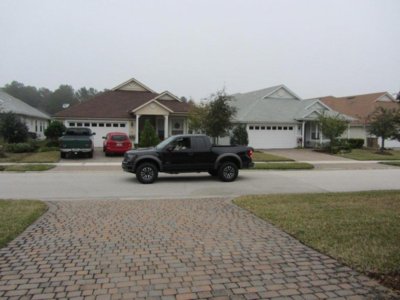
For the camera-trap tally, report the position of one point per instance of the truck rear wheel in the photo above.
(146, 173)
(63, 154)
(228, 171)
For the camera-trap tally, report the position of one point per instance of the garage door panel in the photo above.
(272, 136)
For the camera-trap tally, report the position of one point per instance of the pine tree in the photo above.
(149, 136)
(239, 135)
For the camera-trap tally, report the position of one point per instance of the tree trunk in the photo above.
(383, 144)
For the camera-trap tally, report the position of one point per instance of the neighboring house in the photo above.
(125, 108)
(276, 117)
(361, 107)
(34, 119)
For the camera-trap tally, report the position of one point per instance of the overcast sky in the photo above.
(194, 48)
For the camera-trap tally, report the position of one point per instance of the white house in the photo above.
(34, 119)
(276, 117)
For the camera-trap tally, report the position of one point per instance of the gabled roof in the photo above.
(133, 85)
(9, 103)
(118, 104)
(274, 104)
(360, 106)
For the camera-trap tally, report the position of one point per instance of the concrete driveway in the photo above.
(177, 249)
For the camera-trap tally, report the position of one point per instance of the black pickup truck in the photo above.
(188, 153)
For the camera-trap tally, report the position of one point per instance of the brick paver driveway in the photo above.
(167, 249)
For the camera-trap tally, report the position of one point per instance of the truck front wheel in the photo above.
(228, 171)
(146, 173)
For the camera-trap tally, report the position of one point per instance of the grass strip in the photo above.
(283, 166)
(266, 157)
(365, 154)
(42, 157)
(16, 216)
(26, 168)
(391, 163)
(359, 229)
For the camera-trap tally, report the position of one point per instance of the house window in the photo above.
(71, 124)
(257, 127)
(251, 127)
(122, 125)
(290, 127)
(108, 124)
(262, 127)
(268, 127)
(87, 124)
(79, 124)
(94, 124)
(285, 128)
(314, 131)
(115, 124)
(279, 127)
(273, 127)
(101, 124)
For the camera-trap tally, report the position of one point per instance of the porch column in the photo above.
(303, 133)
(166, 129)
(137, 129)
(348, 131)
(320, 134)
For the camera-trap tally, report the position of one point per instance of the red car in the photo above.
(116, 142)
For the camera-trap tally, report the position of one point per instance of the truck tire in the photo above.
(63, 154)
(228, 171)
(146, 173)
(90, 154)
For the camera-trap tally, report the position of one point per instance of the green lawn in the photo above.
(25, 168)
(391, 163)
(262, 156)
(283, 166)
(37, 157)
(360, 229)
(16, 215)
(366, 154)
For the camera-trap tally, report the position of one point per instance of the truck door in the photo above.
(178, 155)
(202, 155)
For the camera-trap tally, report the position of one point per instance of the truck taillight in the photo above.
(250, 153)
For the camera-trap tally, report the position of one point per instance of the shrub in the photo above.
(2, 154)
(54, 131)
(20, 148)
(356, 143)
(12, 129)
(239, 135)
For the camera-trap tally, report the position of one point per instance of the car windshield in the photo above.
(165, 142)
(118, 138)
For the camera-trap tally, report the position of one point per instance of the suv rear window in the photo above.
(118, 138)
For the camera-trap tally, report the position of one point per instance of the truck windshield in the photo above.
(78, 131)
(165, 142)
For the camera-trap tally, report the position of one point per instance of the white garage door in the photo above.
(101, 128)
(272, 136)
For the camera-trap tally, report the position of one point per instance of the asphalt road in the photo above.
(115, 184)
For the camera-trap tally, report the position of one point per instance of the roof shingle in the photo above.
(117, 104)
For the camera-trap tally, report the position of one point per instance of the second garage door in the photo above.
(272, 136)
(101, 129)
